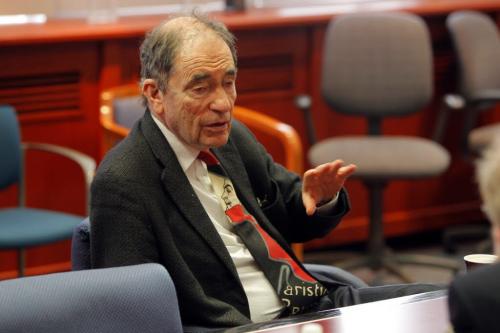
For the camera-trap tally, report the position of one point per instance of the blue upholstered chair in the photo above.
(22, 227)
(139, 298)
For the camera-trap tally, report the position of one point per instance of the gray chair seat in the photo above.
(24, 227)
(387, 157)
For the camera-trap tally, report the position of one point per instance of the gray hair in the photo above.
(488, 177)
(161, 45)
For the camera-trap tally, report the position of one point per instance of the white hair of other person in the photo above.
(488, 177)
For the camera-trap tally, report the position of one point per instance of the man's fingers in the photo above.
(328, 172)
(347, 170)
(328, 169)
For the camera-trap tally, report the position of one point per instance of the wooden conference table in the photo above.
(422, 313)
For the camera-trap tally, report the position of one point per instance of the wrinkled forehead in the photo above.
(208, 59)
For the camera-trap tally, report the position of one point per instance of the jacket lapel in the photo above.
(235, 169)
(182, 194)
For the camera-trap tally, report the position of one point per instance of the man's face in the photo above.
(200, 94)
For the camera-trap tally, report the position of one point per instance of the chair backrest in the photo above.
(138, 298)
(10, 147)
(377, 64)
(477, 44)
(120, 108)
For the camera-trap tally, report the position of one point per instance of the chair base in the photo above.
(391, 262)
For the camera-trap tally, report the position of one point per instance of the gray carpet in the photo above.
(429, 244)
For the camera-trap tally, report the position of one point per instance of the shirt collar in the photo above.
(186, 155)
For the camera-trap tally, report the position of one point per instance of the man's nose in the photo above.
(221, 102)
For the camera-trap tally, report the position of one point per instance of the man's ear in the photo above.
(153, 95)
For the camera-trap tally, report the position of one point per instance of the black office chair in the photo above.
(378, 65)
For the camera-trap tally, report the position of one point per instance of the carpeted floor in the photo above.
(428, 243)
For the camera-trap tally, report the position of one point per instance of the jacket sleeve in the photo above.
(460, 314)
(120, 228)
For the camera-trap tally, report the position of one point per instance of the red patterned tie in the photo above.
(295, 287)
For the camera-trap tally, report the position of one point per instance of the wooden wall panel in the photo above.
(272, 71)
(120, 62)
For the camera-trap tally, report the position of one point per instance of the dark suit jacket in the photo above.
(474, 301)
(143, 209)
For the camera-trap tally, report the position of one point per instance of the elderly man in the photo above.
(192, 189)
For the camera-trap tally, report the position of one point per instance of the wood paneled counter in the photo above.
(53, 73)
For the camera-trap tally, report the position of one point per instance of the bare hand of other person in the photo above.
(322, 183)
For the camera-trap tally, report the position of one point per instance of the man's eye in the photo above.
(229, 83)
(200, 90)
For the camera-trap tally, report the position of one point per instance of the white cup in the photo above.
(473, 261)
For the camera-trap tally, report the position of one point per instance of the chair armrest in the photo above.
(287, 135)
(449, 103)
(112, 132)
(87, 164)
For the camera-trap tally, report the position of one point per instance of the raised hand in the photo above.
(322, 183)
